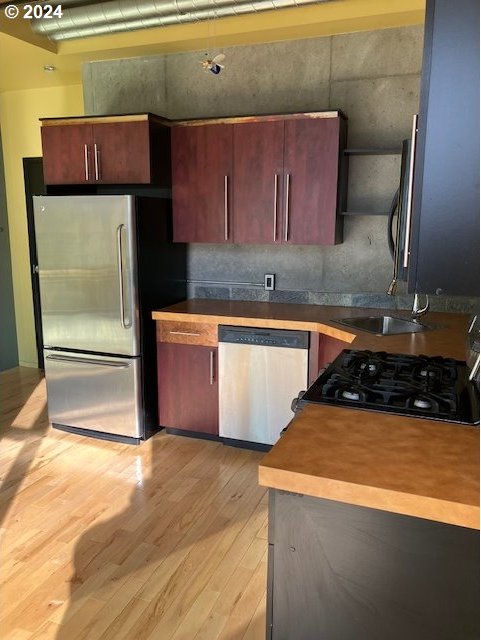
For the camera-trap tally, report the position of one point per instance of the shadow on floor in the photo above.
(23, 411)
(175, 550)
(169, 536)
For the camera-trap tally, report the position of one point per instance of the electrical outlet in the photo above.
(269, 282)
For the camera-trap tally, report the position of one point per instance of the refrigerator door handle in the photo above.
(102, 363)
(120, 266)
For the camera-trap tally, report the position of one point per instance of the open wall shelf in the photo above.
(373, 151)
(364, 213)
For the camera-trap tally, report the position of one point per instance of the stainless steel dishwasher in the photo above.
(260, 372)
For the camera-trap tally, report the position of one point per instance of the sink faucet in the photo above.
(417, 311)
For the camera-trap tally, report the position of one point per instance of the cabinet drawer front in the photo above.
(187, 333)
(95, 392)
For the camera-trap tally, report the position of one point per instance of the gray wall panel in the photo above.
(380, 110)
(134, 85)
(388, 52)
(279, 77)
(373, 76)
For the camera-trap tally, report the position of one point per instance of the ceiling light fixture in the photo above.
(49, 68)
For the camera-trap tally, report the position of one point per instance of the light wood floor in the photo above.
(104, 541)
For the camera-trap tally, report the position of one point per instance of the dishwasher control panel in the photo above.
(264, 337)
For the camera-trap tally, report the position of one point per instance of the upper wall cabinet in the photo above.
(257, 196)
(312, 180)
(201, 183)
(259, 180)
(444, 256)
(133, 149)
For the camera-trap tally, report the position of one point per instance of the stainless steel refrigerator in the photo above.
(105, 262)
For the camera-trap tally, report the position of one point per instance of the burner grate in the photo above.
(419, 386)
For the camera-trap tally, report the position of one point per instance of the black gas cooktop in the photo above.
(420, 386)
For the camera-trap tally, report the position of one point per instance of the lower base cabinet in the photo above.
(188, 387)
(342, 572)
(322, 351)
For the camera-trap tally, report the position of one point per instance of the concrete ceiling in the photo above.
(23, 53)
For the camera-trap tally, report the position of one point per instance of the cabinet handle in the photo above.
(211, 363)
(286, 229)
(86, 161)
(184, 333)
(96, 160)
(92, 361)
(276, 180)
(226, 208)
(407, 239)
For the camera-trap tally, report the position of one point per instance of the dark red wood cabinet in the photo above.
(188, 387)
(66, 153)
(259, 180)
(106, 150)
(311, 172)
(323, 350)
(201, 183)
(257, 185)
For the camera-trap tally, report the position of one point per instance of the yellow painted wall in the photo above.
(19, 121)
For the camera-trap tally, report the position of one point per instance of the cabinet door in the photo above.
(311, 166)
(342, 572)
(188, 387)
(121, 153)
(67, 154)
(322, 351)
(258, 168)
(201, 183)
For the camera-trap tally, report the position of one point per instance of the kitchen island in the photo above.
(373, 524)
(374, 517)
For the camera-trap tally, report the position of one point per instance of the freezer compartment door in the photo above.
(256, 388)
(94, 392)
(87, 269)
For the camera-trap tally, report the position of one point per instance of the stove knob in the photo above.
(295, 404)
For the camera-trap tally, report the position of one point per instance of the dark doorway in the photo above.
(34, 186)
(8, 333)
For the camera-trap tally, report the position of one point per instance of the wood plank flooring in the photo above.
(104, 541)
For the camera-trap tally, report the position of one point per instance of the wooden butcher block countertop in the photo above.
(447, 341)
(423, 468)
(415, 467)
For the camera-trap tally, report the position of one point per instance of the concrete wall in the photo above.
(8, 333)
(374, 77)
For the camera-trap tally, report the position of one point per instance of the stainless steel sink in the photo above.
(384, 325)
